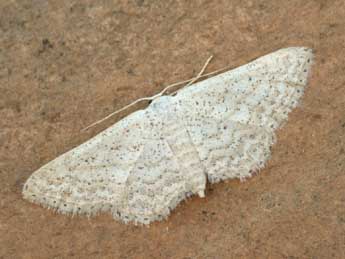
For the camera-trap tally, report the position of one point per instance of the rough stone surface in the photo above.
(65, 64)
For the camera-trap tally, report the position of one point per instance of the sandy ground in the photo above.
(65, 64)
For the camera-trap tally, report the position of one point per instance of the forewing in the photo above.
(260, 93)
(232, 117)
(91, 177)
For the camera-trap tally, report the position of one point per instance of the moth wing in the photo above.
(230, 149)
(235, 114)
(155, 185)
(168, 170)
(139, 169)
(91, 177)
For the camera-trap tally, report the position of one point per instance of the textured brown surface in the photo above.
(65, 64)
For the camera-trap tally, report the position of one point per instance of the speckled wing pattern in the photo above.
(140, 168)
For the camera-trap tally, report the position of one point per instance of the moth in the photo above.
(144, 165)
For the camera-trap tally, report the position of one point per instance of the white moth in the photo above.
(140, 168)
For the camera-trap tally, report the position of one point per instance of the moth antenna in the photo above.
(150, 98)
